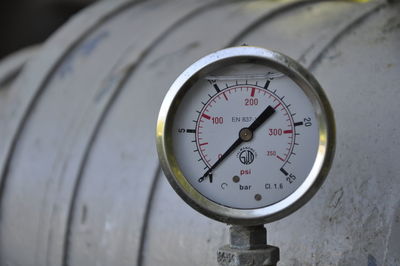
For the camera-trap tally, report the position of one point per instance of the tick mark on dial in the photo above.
(298, 124)
(284, 171)
(226, 98)
(216, 88)
(267, 84)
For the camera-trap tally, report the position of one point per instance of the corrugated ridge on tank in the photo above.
(80, 178)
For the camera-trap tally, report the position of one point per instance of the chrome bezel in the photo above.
(289, 67)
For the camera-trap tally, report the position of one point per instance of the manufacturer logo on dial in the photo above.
(246, 155)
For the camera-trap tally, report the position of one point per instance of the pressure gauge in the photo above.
(245, 135)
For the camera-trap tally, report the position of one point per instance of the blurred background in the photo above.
(28, 22)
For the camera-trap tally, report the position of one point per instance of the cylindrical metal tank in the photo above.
(10, 68)
(80, 179)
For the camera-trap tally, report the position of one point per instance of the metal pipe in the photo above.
(248, 246)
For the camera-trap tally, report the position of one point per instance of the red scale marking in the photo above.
(205, 143)
(277, 105)
(253, 90)
(206, 117)
(280, 158)
(288, 131)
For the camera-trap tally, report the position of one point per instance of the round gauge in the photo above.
(245, 135)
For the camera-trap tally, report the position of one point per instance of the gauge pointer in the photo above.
(261, 118)
(245, 134)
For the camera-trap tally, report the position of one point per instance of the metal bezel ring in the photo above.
(323, 112)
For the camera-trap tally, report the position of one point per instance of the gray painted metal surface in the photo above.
(10, 99)
(12, 65)
(80, 179)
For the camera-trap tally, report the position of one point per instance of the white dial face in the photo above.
(245, 136)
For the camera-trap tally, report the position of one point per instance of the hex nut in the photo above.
(249, 237)
(227, 256)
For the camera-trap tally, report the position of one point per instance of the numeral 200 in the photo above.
(251, 101)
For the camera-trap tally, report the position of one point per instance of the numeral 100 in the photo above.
(218, 120)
